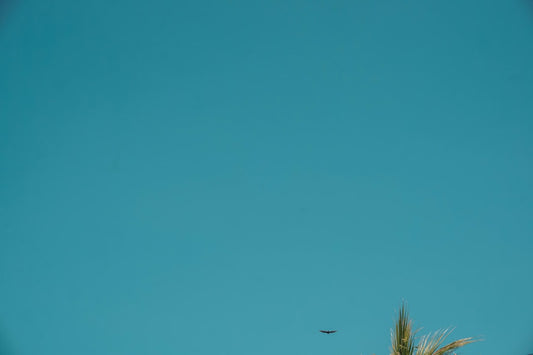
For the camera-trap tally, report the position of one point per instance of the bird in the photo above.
(327, 331)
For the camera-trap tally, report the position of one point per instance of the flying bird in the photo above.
(327, 331)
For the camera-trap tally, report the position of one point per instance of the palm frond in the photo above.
(403, 336)
(431, 344)
(447, 349)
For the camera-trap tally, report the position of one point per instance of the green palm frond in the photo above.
(403, 336)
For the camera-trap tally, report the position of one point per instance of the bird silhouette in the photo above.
(327, 331)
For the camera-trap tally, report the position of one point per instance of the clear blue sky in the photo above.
(228, 177)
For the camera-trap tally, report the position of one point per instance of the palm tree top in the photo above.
(403, 339)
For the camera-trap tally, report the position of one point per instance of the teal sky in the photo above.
(229, 177)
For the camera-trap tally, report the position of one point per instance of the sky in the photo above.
(229, 177)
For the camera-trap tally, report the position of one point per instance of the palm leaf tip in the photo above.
(431, 344)
(447, 349)
(403, 336)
